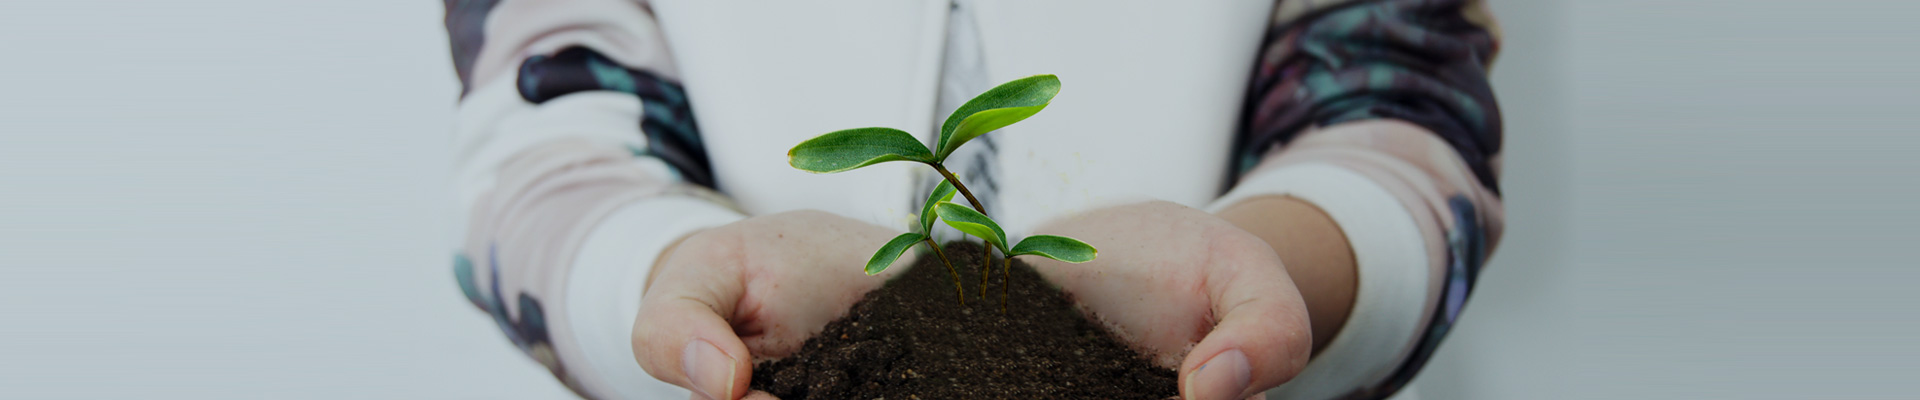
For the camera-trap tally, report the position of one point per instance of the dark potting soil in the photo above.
(911, 339)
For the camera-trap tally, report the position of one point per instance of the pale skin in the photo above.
(1248, 293)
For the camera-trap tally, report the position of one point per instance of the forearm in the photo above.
(575, 162)
(1312, 249)
(1379, 113)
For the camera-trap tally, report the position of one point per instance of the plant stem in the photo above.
(956, 273)
(986, 255)
(957, 185)
(1006, 270)
(986, 269)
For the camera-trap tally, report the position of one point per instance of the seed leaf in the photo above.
(1001, 106)
(973, 223)
(1055, 247)
(941, 194)
(885, 256)
(854, 148)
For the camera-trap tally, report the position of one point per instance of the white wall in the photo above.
(242, 199)
(1728, 187)
(234, 199)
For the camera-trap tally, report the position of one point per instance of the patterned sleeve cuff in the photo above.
(604, 288)
(1395, 289)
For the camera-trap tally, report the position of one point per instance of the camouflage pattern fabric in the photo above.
(1421, 61)
(671, 133)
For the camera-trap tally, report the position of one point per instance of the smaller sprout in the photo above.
(1055, 247)
(891, 251)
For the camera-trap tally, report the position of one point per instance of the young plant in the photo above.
(974, 223)
(999, 107)
(891, 251)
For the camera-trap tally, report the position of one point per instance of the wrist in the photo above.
(1312, 249)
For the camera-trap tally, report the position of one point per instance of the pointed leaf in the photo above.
(1001, 106)
(941, 194)
(854, 148)
(973, 223)
(885, 256)
(1056, 247)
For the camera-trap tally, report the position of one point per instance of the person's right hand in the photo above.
(754, 288)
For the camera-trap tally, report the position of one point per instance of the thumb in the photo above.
(682, 335)
(1262, 338)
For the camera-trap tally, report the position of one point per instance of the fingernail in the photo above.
(1222, 378)
(708, 369)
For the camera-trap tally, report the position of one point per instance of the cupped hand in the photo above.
(754, 288)
(1192, 290)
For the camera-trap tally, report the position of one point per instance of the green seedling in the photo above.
(999, 107)
(891, 251)
(974, 223)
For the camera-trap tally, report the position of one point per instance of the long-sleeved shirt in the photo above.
(591, 134)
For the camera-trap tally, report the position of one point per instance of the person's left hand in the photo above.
(1168, 277)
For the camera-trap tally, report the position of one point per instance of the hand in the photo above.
(1169, 276)
(754, 288)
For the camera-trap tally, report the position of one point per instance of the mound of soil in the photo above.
(911, 339)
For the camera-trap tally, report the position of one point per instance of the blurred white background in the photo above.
(1708, 199)
(243, 199)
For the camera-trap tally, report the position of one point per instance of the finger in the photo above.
(681, 335)
(1262, 337)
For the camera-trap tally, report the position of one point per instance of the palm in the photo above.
(790, 273)
(790, 296)
(1164, 273)
(1171, 280)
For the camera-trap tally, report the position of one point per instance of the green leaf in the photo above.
(854, 148)
(973, 223)
(1055, 247)
(885, 256)
(941, 194)
(1001, 106)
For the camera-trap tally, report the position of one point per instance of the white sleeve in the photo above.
(1395, 279)
(599, 283)
(605, 286)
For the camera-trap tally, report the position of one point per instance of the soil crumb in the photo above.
(911, 339)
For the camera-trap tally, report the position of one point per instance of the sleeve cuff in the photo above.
(604, 287)
(1394, 275)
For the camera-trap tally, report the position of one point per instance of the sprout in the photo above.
(974, 223)
(1003, 105)
(891, 251)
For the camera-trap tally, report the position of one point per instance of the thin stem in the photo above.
(986, 268)
(1006, 270)
(959, 186)
(956, 273)
(986, 255)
